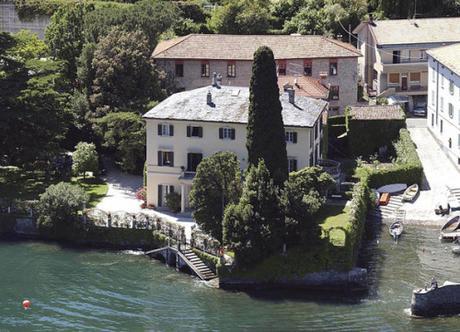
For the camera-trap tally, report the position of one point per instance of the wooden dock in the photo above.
(183, 258)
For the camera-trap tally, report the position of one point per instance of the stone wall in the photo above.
(10, 21)
(353, 280)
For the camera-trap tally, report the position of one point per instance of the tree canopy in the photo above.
(217, 183)
(85, 159)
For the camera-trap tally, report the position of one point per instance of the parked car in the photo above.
(419, 111)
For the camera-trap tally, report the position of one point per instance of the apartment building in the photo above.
(309, 63)
(394, 62)
(191, 125)
(444, 98)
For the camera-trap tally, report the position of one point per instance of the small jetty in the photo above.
(435, 301)
(183, 260)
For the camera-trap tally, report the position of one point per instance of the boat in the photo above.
(395, 188)
(396, 229)
(451, 229)
(410, 193)
(434, 301)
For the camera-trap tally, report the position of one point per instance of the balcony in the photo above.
(401, 67)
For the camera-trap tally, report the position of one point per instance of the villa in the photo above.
(315, 66)
(395, 55)
(444, 99)
(191, 125)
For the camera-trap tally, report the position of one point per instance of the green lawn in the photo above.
(96, 188)
(331, 217)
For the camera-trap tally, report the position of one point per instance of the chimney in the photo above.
(291, 95)
(371, 19)
(214, 79)
(209, 98)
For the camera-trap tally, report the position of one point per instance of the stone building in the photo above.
(10, 21)
(191, 125)
(330, 64)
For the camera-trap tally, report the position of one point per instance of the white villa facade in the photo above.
(395, 60)
(191, 125)
(444, 99)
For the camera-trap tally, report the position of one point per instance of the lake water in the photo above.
(120, 291)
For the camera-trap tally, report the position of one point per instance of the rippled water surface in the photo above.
(107, 291)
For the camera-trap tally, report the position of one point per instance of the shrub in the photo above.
(173, 202)
(60, 204)
(141, 194)
(85, 159)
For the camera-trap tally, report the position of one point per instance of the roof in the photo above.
(304, 86)
(448, 56)
(230, 105)
(242, 47)
(377, 112)
(414, 31)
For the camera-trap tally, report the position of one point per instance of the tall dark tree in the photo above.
(265, 137)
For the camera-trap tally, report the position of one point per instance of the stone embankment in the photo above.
(353, 280)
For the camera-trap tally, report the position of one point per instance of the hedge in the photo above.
(407, 167)
(365, 137)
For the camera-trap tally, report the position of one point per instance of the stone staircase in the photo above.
(202, 270)
(385, 212)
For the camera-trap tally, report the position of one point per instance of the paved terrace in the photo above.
(121, 196)
(440, 174)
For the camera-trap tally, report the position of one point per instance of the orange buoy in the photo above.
(26, 304)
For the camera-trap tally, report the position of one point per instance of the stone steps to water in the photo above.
(205, 272)
(388, 211)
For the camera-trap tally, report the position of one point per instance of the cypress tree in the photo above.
(265, 129)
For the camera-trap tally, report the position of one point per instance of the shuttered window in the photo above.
(166, 158)
(227, 133)
(291, 137)
(292, 164)
(165, 129)
(194, 131)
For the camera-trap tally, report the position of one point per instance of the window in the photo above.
(307, 67)
(441, 126)
(422, 54)
(450, 143)
(415, 77)
(451, 111)
(166, 158)
(163, 191)
(334, 92)
(179, 69)
(165, 129)
(433, 76)
(193, 159)
(393, 78)
(396, 56)
(227, 133)
(432, 120)
(291, 137)
(333, 67)
(442, 81)
(441, 106)
(451, 87)
(315, 128)
(432, 98)
(281, 67)
(292, 164)
(205, 69)
(231, 69)
(193, 131)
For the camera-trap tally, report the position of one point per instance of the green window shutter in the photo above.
(295, 137)
(232, 133)
(171, 130)
(160, 159)
(172, 159)
(159, 130)
(221, 133)
(189, 131)
(200, 132)
(160, 192)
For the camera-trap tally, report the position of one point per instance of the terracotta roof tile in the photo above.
(242, 47)
(377, 112)
(304, 86)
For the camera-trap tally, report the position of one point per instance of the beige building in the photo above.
(394, 62)
(330, 63)
(191, 125)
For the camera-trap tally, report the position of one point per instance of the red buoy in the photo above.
(26, 304)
